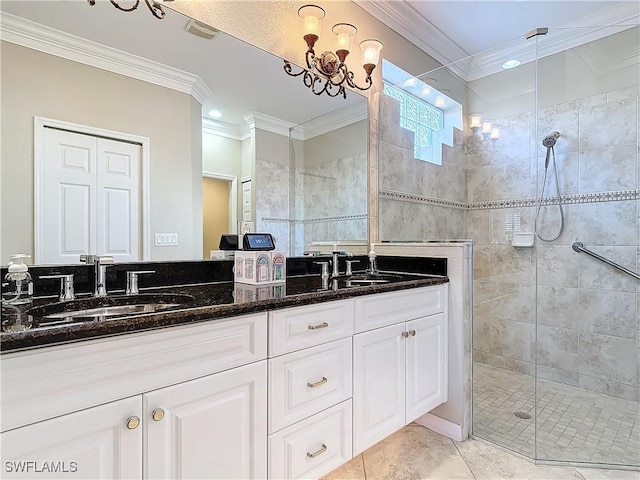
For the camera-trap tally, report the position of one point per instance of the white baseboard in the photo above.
(441, 426)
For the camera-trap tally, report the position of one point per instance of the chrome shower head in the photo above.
(550, 140)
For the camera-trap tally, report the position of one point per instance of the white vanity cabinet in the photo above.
(310, 386)
(399, 369)
(102, 442)
(190, 402)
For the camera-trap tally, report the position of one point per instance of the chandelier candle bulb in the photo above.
(486, 127)
(370, 53)
(312, 26)
(495, 134)
(475, 119)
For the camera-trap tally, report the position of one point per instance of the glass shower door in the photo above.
(587, 312)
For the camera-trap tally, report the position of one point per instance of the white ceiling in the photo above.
(244, 79)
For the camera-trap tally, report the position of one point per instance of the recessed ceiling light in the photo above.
(440, 102)
(426, 91)
(510, 64)
(215, 113)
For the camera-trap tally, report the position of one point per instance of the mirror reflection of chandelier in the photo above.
(154, 7)
(483, 136)
(328, 72)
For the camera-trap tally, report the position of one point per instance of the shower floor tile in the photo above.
(573, 424)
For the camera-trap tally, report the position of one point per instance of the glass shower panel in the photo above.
(588, 332)
(498, 156)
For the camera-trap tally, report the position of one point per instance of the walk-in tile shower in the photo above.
(556, 331)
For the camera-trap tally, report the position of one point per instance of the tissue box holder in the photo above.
(260, 267)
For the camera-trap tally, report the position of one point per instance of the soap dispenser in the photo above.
(373, 267)
(17, 287)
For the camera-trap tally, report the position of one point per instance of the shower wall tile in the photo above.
(482, 328)
(513, 364)
(608, 223)
(558, 375)
(511, 339)
(550, 222)
(609, 169)
(557, 266)
(558, 307)
(608, 387)
(608, 313)
(582, 103)
(558, 348)
(479, 226)
(623, 94)
(388, 128)
(505, 221)
(595, 274)
(479, 186)
(568, 167)
(514, 306)
(481, 258)
(609, 358)
(511, 264)
(512, 180)
(566, 124)
(610, 124)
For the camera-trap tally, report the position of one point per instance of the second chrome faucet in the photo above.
(100, 264)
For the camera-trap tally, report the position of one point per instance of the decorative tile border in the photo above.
(615, 196)
(340, 218)
(414, 198)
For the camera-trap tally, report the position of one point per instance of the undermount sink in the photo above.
(106, 308)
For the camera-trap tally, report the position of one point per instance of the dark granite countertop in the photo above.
(210, 301)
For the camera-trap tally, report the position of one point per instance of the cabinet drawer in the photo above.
(305, 382)
(301, 327)
(394, 307)
(312, 447)
(48, 382)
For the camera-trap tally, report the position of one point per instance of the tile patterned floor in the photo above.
(573, 424)
(417, 453)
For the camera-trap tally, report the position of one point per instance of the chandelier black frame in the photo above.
(154, 7)
(328, 73)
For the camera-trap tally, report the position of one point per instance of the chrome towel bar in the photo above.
(580, 247)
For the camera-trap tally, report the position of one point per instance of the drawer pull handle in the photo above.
(318, 383)
(315, 454)
(316, 327)
(412, 333)
(405, 334)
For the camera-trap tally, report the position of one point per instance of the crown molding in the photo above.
(338, 118)
(222, 129)
(17, 30)
(402, 18)
(268, 123)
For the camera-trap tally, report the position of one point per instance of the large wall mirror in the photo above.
(114, 73)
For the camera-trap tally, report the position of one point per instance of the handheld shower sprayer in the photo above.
(549, 142)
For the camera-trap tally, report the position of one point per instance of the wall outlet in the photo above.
(166, 239)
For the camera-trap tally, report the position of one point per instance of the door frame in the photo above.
(233, 196)
(39, 124)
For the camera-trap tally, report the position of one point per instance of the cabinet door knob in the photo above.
(157, 414)
(315, 454)
(132, 423)
(316, 327)
(318, 383)
(405, 334)
(412, 333)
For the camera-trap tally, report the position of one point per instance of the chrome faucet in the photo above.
(100, 264)
(335, 255)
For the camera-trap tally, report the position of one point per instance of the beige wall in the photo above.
(347, 141)
(223, 155)
(215, 213)
(38, 84)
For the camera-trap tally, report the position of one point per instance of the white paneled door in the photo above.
(91, 189)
